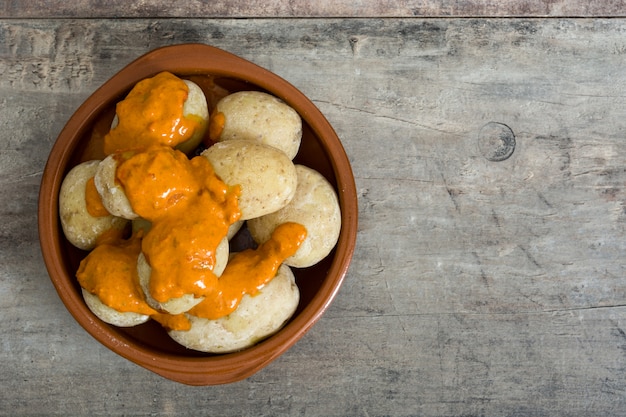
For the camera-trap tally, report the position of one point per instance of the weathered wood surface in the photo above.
(478, 287)
(307, 8)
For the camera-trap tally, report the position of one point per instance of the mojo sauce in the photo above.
(152, 114)
(248, 271)
(94, 203)
(110, 272)
(190, 210)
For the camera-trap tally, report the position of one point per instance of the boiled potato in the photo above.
(195, 107)
(256, 318)
(111, 192)
(266, 175)
(110, 315)
(180, 304)
(234, 228)
(316, 207)
(80, 228)
(254, 115)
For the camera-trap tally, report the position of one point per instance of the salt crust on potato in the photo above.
(255, 318)
(80, 228)
(110, 315)
(111, 192)
(186, 302)
(266, 175)
(259, 116)
(316, 207)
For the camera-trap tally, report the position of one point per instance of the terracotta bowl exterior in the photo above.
(148, 345)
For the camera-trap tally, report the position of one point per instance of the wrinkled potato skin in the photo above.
(258, 116)
(80, 228)
(254, 319)
(316, 207)
(266, 175)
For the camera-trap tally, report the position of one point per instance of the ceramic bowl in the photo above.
(148, 345)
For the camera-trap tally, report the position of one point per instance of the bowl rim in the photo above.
(189, 59)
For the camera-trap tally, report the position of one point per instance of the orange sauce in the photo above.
(216, 125)
(172, 321)
(110, 272)
(190, 210)
(93, 200)
(111, 236)
(248, 271)
(157, 180)
(152, 113)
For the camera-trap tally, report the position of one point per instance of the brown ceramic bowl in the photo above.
(148, 345)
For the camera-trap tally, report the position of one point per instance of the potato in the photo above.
(256, 318)
(254, 115)
(187, 301)
(234, 228)
(111, 192)
(110, 315)
(195, 107)
(80, 228)
(316, 207)
(266, 175)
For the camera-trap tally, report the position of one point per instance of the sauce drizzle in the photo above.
(94, 203)
(248, 271)
(189, 208)
(110, 272)
(152, 113)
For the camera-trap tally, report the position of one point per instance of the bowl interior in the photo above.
(81, 140)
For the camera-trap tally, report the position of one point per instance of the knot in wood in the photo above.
(496, 141)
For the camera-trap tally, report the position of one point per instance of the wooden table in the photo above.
(490, 163)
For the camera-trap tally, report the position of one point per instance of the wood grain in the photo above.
(305, 8)
(478, 287)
